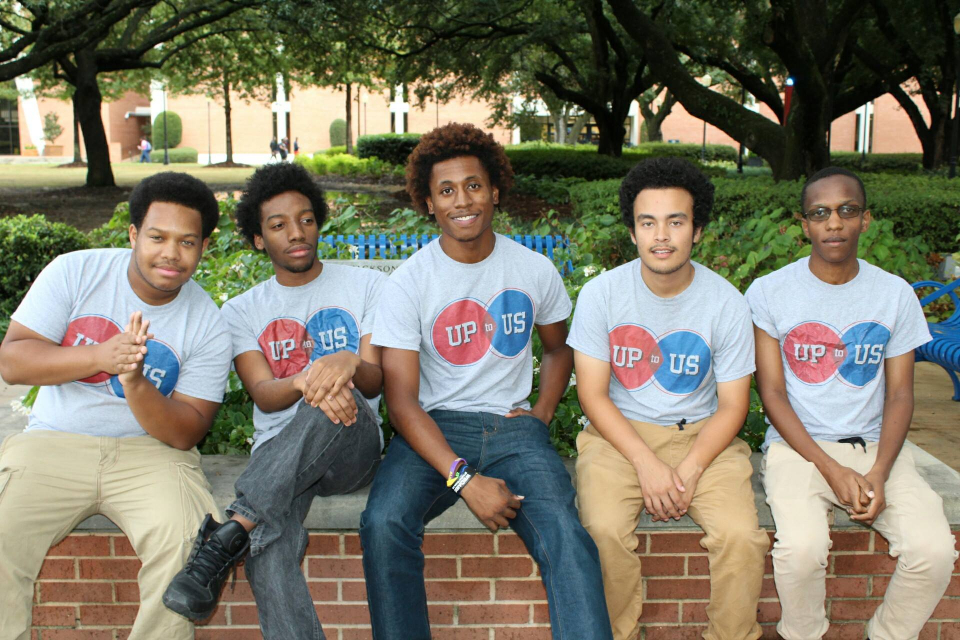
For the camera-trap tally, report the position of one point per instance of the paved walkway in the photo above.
(936, 418)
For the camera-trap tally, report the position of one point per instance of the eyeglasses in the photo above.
(845, 211)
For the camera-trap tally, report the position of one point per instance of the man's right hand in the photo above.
(852, 490)
(125, 351)
(662, 488)
(491, 501)
(339, 407)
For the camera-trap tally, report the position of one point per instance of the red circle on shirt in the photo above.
(813, 351)
(462, 332)
(89, 330)
(285, 346)
(634, 355)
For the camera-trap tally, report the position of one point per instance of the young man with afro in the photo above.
(835, 338)
(132, 358)
(455, 323)
(301, 346)
(664, 353)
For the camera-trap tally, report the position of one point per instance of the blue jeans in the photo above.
(144, 156)
(407, 493)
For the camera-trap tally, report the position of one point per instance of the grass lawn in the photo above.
(127, 174)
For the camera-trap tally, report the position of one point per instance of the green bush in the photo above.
(692, 152)
(28, 244)
(898, 163)
(335, 151)
(338, 133)
(174, 130)
(389, 147)
(177, 156)
(347, 165)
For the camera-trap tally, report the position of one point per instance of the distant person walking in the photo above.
(145, 148)
(274, 149)
(296, 147)
(283, 150)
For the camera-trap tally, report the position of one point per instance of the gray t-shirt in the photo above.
(834, 339)
(666, 354)
(293, 326)
(472, 323)
(84, 298)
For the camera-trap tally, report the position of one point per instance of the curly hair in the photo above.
(666, 173)
(455, 140)
(177, 188)
(829, 172)
(269, 181)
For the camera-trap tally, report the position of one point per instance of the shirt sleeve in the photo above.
(734, 356)
(205, 370)
(243, 337)
(397, 324)
(555, 304)
(374, 287)
(589, 333)
(911, 329)
(48, 304)
(759, 312)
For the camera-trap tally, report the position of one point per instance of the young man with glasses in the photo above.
(835, 338)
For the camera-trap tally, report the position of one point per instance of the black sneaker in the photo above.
(195, 590)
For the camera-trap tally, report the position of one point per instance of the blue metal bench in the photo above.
(385, 247)
(944, 349)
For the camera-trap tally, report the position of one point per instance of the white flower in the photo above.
(583, 421)
(589, 271)
(17, 406)
(354, 251)
(223, 297)
(250, 441)
(573, 379)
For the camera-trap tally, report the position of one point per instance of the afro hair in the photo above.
(270, 181)
(178, 188)
(455, 140)
(666, 173)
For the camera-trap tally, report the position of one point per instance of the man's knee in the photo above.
(802, 550)
(931, 554)
(383, 526)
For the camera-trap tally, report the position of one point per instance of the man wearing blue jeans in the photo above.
(455, 322)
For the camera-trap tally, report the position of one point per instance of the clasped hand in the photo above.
(328, 384)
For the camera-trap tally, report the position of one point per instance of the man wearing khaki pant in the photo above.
(132, 358)
(664, 353)
(835, 338)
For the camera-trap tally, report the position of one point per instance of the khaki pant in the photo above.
(723, 505)
(913, 523)
(50, 481)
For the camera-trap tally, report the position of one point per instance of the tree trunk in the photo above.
(612, 132)
(577, 127)
(350, 120)
(228, 117)
(934, 141)
(88, 101)
(77, 159)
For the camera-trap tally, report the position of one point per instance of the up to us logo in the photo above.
(466, 329)
(817, 353)
(677, 362)
(289, 345)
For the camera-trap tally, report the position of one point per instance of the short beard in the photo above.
(136, 265)
(298, 268)
(668, 271)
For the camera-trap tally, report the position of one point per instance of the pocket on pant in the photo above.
(195, 497)
(6, 474)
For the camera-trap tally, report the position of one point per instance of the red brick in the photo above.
(698, 566)
(643, 545)
(334, 568)
(678, 589)
(244, 614)
(323, 590)
(355, 634)
(351, 545)
(845, 632)
(457, 590)
(879, 586)
(520, 590)
(323, 545)
(460, 633)
(496, 567)
(523, 633)
(768, 611)
(852, 609)
(953, 589)
(109, 569)
(81, 545)
(866, 564)
(127, 591)
(217, 619)
(228, 634)
(58, 569)
(441, 568)
(54, 616)
(950, 631)
(334, 614)
(240, 592)
(930, 631)
(673, 633)
(116, 614)
(769, 588)
(660, 612)
(76, 634)
(440, 613)
(510, 544)
(851, 540)
(541, 613)
(122, 546)
(675, 543)
(494, 614)
(848, 587)
(693, 611)
(457, 544)
(880, 543)
(75, 592)
(662, 565)
(948, 609)
(353, 591)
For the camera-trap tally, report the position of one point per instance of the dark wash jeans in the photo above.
(407, 493)
(311, 456)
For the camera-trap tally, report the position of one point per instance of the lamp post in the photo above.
(706, 81)
(787, 98)
(743, 99)
(956, 106)
(166, 152)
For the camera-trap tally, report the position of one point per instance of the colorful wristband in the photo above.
(465, 476)
(454, 470)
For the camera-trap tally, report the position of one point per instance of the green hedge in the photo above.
(28, 244)
(178, 155)
(338, 133)
(390, 147)
(918, 206)
(174, 130)
(899, 163)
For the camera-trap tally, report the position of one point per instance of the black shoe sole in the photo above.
(178, 606)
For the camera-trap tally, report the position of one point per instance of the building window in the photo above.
(9, 127)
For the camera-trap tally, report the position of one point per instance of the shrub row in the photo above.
(178, 155)
(389, 147)
(899, 163)
(917, 206)
(347, 165)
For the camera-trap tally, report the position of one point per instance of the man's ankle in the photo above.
(246, 524)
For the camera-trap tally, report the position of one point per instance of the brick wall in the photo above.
(480, 586)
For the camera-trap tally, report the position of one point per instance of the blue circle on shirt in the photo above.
(686, 362)
(866, 345)
(512, 312)
(161, 367)
(333, 329)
